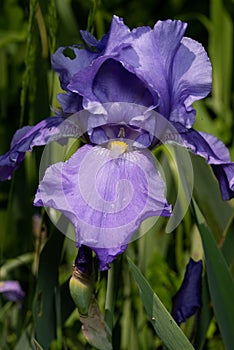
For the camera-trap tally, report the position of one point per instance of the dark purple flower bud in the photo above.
(84, 260)
(11, 290)
(187, 301)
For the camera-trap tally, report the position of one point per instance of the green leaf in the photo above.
(67, 304)
(8, 37)
(44, 308)
(68, 20)
(25, 341)
(30, 57)
(206, 314)
(163, 323)
(37, 345)
(228, 242)
(12, 264)
(221, 31)
(220, 282)
(207, 195)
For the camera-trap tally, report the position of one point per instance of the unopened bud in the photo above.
(82, 281)
(81, 289)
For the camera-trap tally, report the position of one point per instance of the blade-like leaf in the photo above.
(228, 242)
(26, 341)
(37, 345)
(207, 195)
(163, 323)
(44, 302)
(206, 314)
(220, 282)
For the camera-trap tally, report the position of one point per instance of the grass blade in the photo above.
(163, 323)
(221, 284)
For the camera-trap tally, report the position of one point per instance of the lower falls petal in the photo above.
(106, 196)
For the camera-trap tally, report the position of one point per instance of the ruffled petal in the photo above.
(92, 42)
(119, 33)
(191, 80)
(188, 298)
(24, 140)
(177, 67)
(105, 195)
(118, 73)
(214, 152)
(73, 60)
(107, 255)
(66, 67)
(156, 50)
(139, 66)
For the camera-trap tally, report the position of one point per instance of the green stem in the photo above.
(58, 318)
(12, 264)
(91, 17)
(110, 297)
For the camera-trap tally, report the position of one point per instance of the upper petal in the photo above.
(177, 67)
(114, 83)
(67, 66)
(156, 50)
(119, 33)
(108, 80)
(191, 80)
(67, 61)
(92, 42)
(111, 75)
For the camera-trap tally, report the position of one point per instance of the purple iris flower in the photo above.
(122, 92)
(11, 290)
(108, 187)
(187, 301)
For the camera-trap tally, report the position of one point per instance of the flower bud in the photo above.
(82, 281)
(81, 289)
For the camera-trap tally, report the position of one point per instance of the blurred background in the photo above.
(30, 31)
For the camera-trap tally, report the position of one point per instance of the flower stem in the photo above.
(59, 341)
(110, 297)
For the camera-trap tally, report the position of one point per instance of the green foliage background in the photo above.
(39, 256)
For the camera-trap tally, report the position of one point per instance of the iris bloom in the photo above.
(110, 185)
(187, 300)
(11, 290)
